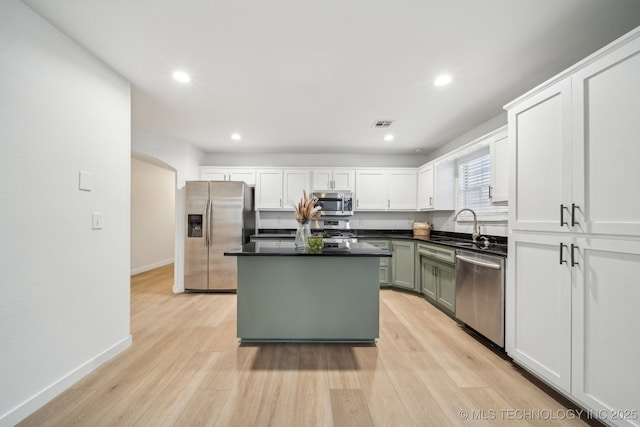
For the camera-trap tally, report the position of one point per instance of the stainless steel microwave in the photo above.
(334, 203)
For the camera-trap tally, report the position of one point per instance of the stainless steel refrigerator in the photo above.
(219, 218)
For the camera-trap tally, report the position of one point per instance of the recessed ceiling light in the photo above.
(236, 136)
(388, 137)
(442, 80)
(418, 150)
(182, 77)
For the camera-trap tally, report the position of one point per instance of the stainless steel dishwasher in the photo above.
(480, 293)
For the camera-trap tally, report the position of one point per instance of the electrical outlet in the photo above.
(96, 221)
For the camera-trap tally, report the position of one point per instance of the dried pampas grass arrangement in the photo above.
(306, 208)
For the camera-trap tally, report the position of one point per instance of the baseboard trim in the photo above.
(40, 399)
(139, 270)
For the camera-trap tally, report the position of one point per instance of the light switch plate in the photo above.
(96, 221)
(86, 181)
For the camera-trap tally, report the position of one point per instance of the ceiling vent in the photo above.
(380, 124)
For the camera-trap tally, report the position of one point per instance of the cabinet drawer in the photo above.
(438, 252)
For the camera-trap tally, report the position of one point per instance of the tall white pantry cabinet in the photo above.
(573, 287)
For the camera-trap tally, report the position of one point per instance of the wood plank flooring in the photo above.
(186, 368)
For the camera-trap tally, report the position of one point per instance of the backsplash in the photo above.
(441, 220)
(360, 220)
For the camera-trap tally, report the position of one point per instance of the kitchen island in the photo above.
(289, 295)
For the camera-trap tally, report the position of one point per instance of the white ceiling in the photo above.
(302, 76)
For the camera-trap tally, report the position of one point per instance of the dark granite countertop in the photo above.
(497, 245)
(288, 249)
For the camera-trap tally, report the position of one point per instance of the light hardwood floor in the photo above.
(186, 368)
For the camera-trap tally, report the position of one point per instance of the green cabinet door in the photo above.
(446, 279)
(437, 275)
(403, 264)
(429, 284)
(385, 276)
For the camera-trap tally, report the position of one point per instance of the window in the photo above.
(474, 180)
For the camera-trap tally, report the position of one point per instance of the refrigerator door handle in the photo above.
(209, 227)
(206, 223)
(210, 222)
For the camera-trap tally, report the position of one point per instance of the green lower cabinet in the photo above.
(438, 281)
(429, 282)
(403, 264)
(385, 274)
(447, 287)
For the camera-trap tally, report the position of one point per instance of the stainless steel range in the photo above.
(336, 233)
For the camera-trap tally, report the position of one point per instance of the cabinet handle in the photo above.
(388, 203)
(573, 261)
(573, 215)
(280, 202)
(490, 195)
(357, 203)
(436, 269)
(562, 246)
(430, 200)
(562, 223)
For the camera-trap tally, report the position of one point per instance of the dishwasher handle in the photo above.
(479, 262)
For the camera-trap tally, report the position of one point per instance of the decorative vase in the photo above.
(302, 235)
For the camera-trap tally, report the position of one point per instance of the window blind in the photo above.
(474, 179)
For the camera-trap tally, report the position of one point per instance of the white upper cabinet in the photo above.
(606, 148)
(371, 190)
(280, 189)
(575, 150)
(386, 189)
(426, 186)
(228, 174)
(333, 180)
(269, 189)
(295, 181)
(540, 134)
(436, 186)
(402, 189)
(499, 149)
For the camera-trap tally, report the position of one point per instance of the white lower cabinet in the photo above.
(570, 320)
(538, 308)
(605, 319)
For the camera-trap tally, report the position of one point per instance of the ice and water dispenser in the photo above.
(194, 225)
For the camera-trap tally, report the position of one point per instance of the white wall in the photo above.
(475, 133)
(153, 226)
(64, 288)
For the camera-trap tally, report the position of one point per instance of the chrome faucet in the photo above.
(476, 233)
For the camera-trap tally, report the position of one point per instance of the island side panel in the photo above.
(289, 298)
